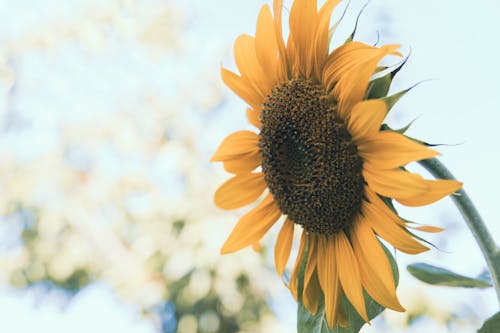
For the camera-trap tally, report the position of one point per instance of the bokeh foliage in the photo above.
(119, 195)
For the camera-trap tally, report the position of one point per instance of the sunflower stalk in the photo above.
(489, 248)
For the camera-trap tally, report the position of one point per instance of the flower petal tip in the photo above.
(225, 250)
(429, 228)
(421, 250)
(256, 247)
(399, 308)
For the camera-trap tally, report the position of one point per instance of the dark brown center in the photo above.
(309, 160)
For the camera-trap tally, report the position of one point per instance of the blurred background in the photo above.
(109, 113)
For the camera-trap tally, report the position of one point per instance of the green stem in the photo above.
(474, 221)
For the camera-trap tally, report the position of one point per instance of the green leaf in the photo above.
(443, 277)
(401, 130)
(373, 309)
(351, 36)
(388, 202)
(332, 29)
(308, 323)
(423, 240)
(400, 66)
(394, 98)
(379, 87)
(491, 325)
(386, 127)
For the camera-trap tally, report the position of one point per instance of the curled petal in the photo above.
(329, 279)
(389, 230)
(348, 70)
(293, 286)
(283, 246)
(374, 266)
(349, 275)
(311, 284)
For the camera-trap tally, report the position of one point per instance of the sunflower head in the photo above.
(321, 157)
(309, 160)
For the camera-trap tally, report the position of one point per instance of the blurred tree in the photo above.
(117, 195)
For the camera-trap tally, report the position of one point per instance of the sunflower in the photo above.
(321, 158)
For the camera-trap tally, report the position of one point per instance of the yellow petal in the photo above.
(278, 29)
(240, 190)
(283, 246)
(333, 289)
(237, 144)
(322, 40)
(293, 286)
(312, 292)
(386, 211)
(243, 88)
(374, 266)
(394, 183)
(256, 247)
(328, 278)
(310, 299)
(292, 58)
(377, 201)
(277, 7)
(309, 271)
(436, 190)
(303, 26)
(365, 119)
(390, 230)
(252, 226)
(248, 65)
(267, 46)
(389, 150)
(348, 70)
(253, 117)
(321, 262)
(350, 279)
(243, 163)
(341, 60)
(427, 228)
